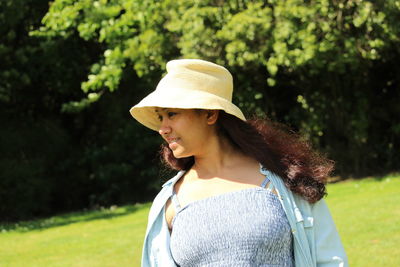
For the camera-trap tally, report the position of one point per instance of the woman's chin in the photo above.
(179, 154)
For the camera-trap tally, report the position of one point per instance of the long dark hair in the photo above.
(303, 170)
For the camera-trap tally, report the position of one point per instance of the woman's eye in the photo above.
(159, 117)
(170, 114)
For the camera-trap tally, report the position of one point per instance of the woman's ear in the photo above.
(212, 116)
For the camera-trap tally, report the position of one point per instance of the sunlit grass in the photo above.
(366, 213)
(110, 237)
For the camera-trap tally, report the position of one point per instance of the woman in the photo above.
(247, 192)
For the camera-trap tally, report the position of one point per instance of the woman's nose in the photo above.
(164, 129)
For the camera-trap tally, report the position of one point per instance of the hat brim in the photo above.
(144, 112)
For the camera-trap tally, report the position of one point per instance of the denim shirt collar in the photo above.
(171, 182)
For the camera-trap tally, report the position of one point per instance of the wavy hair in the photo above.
(303, 170)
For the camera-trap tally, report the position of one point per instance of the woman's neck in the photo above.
(217, 158)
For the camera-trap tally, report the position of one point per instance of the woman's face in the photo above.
(185, 130)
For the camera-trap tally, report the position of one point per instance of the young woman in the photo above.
(248, 193)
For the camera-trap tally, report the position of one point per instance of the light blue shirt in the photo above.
(316, 241)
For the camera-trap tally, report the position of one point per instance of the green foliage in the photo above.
(52, 147)
(302, 40)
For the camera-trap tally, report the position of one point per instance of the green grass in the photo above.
(366, 213)
(111, 237)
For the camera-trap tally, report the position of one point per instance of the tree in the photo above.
(313, 64)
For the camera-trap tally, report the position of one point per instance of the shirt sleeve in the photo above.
(329, 250)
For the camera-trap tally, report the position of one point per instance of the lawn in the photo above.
(366, 213)
(108, 237)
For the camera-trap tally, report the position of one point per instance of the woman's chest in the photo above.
(250, 222)
(189, 193)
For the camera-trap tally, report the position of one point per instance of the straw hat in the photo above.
(189, 84)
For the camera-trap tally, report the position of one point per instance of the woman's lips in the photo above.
(169, 139)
